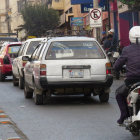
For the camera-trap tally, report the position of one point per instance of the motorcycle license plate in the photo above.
(76, 73)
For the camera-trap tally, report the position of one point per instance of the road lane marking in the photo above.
(3, 116)
(5, 122)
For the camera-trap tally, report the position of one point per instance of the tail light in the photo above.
(43, 70)
(24, 63)
(6, 60)
(108, 68)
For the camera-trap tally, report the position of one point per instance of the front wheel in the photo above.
(104, 97)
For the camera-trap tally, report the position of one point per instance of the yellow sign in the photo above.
(30, 37)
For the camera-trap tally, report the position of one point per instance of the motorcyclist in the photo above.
(131, 57)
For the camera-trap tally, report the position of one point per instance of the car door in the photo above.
(15, 68)
(34, 58)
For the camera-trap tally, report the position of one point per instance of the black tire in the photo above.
(2, 77)
(38, 99)
(28, 93)
(15, 82)
(104, 97)
(21, 82)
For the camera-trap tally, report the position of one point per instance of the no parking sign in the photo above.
(96, 17)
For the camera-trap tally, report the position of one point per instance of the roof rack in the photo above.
(61, 33)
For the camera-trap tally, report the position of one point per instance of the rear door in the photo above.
(75, 61)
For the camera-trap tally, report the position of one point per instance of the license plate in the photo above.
(76, 73)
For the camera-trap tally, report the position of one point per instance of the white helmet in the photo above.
(134, 35)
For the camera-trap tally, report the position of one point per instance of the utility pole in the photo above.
(96, 30)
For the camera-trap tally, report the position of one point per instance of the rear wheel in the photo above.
(2, 77)
(104, 97)
(38, 97)
(15, 82)
(21, 82)
(28, 93)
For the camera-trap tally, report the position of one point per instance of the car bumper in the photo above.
(7, 70)
(66, 84)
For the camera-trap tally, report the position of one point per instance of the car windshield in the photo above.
(32, 46)
(13, 50)
(75, 50)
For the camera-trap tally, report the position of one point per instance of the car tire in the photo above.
(21, 82)
(2, 77)
(38, 98)
(104, 97)
(28, 93)
(15, 82)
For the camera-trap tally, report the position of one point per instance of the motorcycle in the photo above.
(133, 100)
(113, 56)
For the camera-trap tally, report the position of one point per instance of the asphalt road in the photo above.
(66, 118)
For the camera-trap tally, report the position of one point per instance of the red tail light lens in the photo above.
(42, 73)
(108, 68)
(24, 63)
(139, 91)
(43, 70)
(108, 71)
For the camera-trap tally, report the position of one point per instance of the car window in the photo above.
(13, 50)
(35, 54)
(32, 46)
(39, 51)
(75, 50)
(22, 49)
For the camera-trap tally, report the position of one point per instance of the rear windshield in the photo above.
(75, 50)
(13, 50)
(32, 46)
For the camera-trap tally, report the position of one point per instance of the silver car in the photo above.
(65, 66)
(18, 65)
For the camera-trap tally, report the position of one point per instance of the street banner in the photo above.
(96, 17)
(102, 3)
(77, 21)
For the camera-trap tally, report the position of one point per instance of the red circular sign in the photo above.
(95, 14)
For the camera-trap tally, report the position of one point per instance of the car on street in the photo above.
(18, 64)
(7, 39)
(67, 66)
(8, 53)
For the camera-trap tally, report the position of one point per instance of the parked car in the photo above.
(7, 39)
(67, 65)
(8, 53)
(18, 64)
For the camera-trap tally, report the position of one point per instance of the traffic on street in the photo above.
(65, 117)
(69, 70)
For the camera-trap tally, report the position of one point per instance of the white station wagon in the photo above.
(66, 66)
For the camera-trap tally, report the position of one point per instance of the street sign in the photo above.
(96, 17)
(77, 21)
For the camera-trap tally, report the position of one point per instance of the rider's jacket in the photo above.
(131, 57)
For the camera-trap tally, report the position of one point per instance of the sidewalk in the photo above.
(8, 129)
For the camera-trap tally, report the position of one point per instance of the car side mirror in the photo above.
(26, 58)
